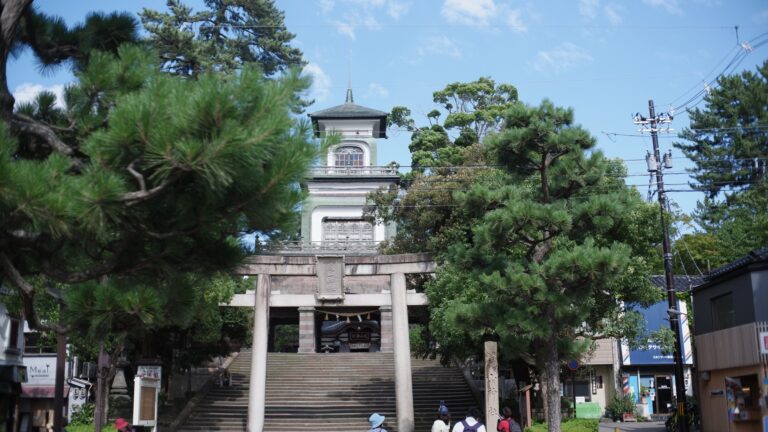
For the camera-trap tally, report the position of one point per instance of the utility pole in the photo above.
(654, 164)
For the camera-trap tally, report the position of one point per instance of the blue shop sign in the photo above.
(657, 317)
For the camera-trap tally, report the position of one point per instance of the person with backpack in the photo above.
(443, 422)
(471, 423)
(508, 424)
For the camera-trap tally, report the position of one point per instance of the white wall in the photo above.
(362, 128)
(339, 211)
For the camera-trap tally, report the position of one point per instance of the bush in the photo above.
(619, 405)
(570, 425)
(89, 428)
(82, 415)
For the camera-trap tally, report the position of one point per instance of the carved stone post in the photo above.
(491, 381)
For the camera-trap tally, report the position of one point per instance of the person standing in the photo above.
(443, 421)
(471, 423)
(508, 423)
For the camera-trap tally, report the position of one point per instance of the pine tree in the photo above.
(143, 174)
(230, 34)
(549, 258)
(727, 141)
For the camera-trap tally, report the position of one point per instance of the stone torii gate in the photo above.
(309, 281)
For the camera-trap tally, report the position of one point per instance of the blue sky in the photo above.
(603, 58)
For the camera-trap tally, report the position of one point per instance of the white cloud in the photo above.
(761, 16)
(397, 9)
(441, 45)
(670, 6)
(354, 19)
(376, 90)
(345, 28)
(613, 12)
(515, 21)
(588, 8)
(27, 92)
(361, 14)
(326, 6)
(469, 12)
(561, 58)
(321, 82)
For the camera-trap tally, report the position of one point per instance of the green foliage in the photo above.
(474, 110)
(135, 205)
(89, 428)
(56, 44)
(547, 260)
(286, 337)
(82, 415)
(227, 36)
(728, 144)
(619, 405)
(569, 425)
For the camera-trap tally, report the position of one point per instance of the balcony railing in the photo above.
(330, 171)
(317, 247)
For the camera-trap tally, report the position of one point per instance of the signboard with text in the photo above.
(763, 339)
(41, 370)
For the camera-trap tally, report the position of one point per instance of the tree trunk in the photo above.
(99, 414)
(551, 375)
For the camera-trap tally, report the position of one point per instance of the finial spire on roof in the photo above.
(350, 99)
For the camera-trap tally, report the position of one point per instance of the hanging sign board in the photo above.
(146, 389)
(763, 340)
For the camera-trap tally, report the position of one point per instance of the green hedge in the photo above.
(570, 425)
(89, 428)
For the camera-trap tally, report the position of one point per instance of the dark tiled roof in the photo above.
(347, 111)
(756, 256)
(682, 282)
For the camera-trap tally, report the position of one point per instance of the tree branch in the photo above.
(29, 125)
(27, 294)
(133, 198)
(139, 178)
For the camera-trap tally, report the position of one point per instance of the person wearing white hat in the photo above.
(377, 423)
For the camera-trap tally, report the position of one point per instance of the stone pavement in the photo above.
(657, 426)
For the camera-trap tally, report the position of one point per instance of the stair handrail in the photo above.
(185, 412)
(477, 394)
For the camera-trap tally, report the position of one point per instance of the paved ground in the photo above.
(631, 426)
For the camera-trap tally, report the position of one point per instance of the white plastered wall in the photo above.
(339, 211)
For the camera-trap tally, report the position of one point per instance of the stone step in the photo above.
(329, 392)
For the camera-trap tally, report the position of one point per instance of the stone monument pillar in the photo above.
(491, 380)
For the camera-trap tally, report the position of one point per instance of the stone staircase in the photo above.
(329, 392)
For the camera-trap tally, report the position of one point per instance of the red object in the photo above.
(121, 423)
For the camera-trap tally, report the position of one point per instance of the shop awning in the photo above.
(41, 392)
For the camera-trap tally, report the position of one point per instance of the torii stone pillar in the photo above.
(403, 379)
(257, 393)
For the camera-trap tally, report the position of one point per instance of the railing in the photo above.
(320, 171)
(352, 246)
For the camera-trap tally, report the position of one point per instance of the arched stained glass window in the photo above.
(348, 156)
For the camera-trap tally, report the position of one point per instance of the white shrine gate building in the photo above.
(343, 295)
